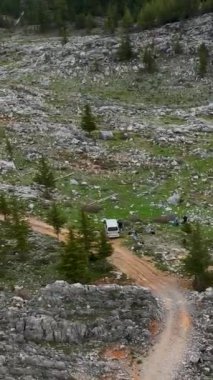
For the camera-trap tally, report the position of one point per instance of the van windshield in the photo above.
(112, 228)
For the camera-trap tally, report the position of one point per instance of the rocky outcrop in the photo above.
(198, 364)
(59, 332)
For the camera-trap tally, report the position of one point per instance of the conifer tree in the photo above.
(105, 248)
(89, 22)
(21, 232)
(60, 12)
(43, 15)
(87, 120)
(45, 176)
(127, 20)
(80, 21)
(147, 15)
(198, 260)
(56, 218)
(64, 35)
(87, 233)
(111, 20)
(207, 5)
(125, 52)
(9, 148)
(18, 227)
(73, 264)
(149, 60)
(203, 55)
(4, 206)
(177, 46)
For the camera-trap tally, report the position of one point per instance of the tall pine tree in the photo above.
(73, 264)
(87, 233)
(196, 263)
(105, 248)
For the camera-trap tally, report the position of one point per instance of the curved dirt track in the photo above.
(168, 352)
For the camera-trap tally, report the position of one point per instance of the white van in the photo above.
(111, 228)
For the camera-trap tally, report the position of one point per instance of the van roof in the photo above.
(111, 222)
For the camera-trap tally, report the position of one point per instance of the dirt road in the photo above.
(167, 353)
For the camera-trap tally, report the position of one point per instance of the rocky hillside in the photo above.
(71, 331)
(155, 130)
(160, 124)
(152, 150)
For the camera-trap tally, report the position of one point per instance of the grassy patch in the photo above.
(151, 91)
(170, 119)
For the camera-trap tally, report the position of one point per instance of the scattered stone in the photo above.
(7, 166)
(106, 135)
(174, 199)
(74, 182)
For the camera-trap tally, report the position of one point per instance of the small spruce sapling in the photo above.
(87, 120)
(56, 218)
(64, 35)
(45, 176)
(149, 60)
(4, 206)
(18, 227)
(9, 148)
(125, 52)
(203, 55)
(127, 20)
